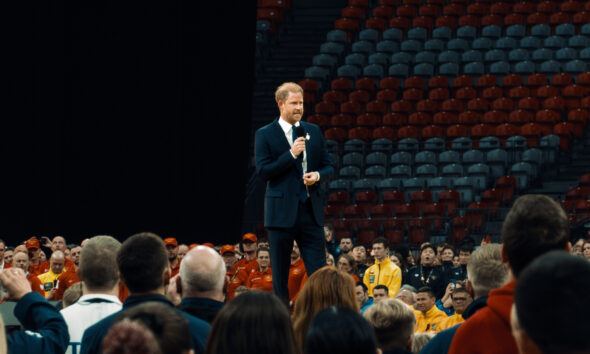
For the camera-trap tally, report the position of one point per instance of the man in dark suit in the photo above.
(292, 161)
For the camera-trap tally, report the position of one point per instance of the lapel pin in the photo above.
(307, 136)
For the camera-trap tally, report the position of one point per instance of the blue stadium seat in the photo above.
(412, 185)
(434, 144)
(350, 172)
(426, 171)
(491, 31)
(332, 145)
(401, 158)
(534, 156)
(399, 70)
(489, 143)
(402, 58)
(579, 42)
(325, 60)
(401, 171)
(339, 185)
(516, 31)
(375, 172)
(453, 170)
(411, 46)
(424, 70)
(352, 159)
(482, 43)
(549, 144)
(481, 174)
(518, 54)
(575, 66)
(449, 157)
(466, 188)
(458, 44)
(449, 69)
(472, 157)
(418, 33)
(437, 185)
(379, 58)
(497, 159)
(550, 67)
(461, 144)
(374, 71)
(585, 54)
(349, 71)
(554, 42)
(425, 157)
(523, 172)
(408, 144)
(387, 47)
(444, 33)
(425, 57)
(376, 158)
(474, 68)
(353, 145)
(369, 34)
(585, 29)
(506, 43)
(515, 145)
(316, 72)
(541, 30)
(531, 43)
(566, 54)
(471, 55)
(542, 54)
(382, 145)
(338, 36)
(332, 48)
(434, 45)
(525, 67)
(448, 56)
(363, 185)
(388, 184)
(500, 68)
(565, 30)
(357, 59)
(393, 34)
(467, 32)
(363, 47)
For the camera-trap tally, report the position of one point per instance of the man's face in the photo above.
(292, 107)
(379, 251)
(586, 250)
(345, 245)
(295, 254)
(447, 255)
(460, 301)
(58, 244)
(249, 250)
(57, 265)
(360, 254)
(21, 260)
(406, 296)
(8, 256)
(34, 253)
(379, 295)
(361, 295)
(328, 234)
(172, 252)
(229, 259)
(182, 251)
(427, 257)
(424, 302)
(263, 259)
(464, 257)
(75, 255)
(2, 249)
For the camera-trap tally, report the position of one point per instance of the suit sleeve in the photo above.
(266, 166)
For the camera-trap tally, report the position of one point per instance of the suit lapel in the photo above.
(280, 134)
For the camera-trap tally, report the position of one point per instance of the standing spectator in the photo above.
(535, 225)
(202, 276)
(428, 316)
(380, 293)
(242, 269)
(8, 254)
(56, 281)
(297, 274)
(100, 287)
(228, 253)
(399, 260)
(253, 322)
(383, 272)
(45, 329)
(182, 251)
(75, 256)
(331, 243)
(362, 296)
(21, 260)
(324, 288)
(144, 267)
(172, 248)
(558, 328)
(3, 263)
(34, 249)
(347, 264)
(57, 244)
(461, 299)
(486, 272)
(586, 250)
(359, 252)
(394, 323)
(261, 278)
(340, 330)
(427, 273)
(345, 244)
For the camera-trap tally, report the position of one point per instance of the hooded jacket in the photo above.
(384, 273)
(488, 330)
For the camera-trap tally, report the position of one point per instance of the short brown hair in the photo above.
(98, 266)
(485, 269)
(282, 91)
(535, 225)
(142, 260)
(393, 322)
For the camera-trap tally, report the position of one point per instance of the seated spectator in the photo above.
(394, 323)
(45, 329)
(420, 341)
(330, 260)
(228, 253)
(148, 328)
(71, 295)
(485, 272)
(345, 244)
(57, 280)
(331, 242)
(407, 294)
(297, 274)
(340, 330)
(427, 273)
(253, 322)
(461, 299)
(558, 328)
(242, 268)
(144, 267)
(380, 293)
(535, 225)
(324, 288)
(347, 264)
(8, 254)
(362, 296)
(383, 272)
(261, 278)
(586, 250)
(21, 260)
(445, 304)
(428, 316)
(241, 290)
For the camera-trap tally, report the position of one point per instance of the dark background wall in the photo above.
(124, 117)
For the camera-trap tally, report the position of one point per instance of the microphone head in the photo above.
(299, 131)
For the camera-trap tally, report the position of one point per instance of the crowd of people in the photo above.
(153, 295)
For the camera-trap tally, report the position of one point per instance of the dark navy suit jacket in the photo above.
(276, 166)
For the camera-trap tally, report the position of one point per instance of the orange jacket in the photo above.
(260, 280)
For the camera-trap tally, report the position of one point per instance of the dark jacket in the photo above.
(203, 308)
(93, 336)
(441, 343)
(47, 331)
(433, 277)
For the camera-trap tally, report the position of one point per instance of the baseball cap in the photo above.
(32, 243)
(227, 249)
(209, 244)
(192, 245)
(171, 241)
(250, 237)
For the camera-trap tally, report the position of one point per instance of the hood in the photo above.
(500, 301)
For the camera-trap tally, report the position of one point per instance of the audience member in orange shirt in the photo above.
(242, 268)
(261, 279)
(172, 247)
(21, 260)
(296, 272)
(58, 244)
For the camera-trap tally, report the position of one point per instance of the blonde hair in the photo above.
(282, 91)
(393, 322)
(420, 340)
(485, 269)
(324, 288)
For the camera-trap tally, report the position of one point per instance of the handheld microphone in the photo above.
(300, 132)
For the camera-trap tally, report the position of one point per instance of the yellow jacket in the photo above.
(449, 322)
(430, 321)
(384, 273)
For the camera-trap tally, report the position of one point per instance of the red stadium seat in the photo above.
(532, 132)
(427, 105)
(377, 107)
(337, 134)
(321, 120)
(450, 200)
(470, 118)
(420, 119)
(360, 96)
(432, 131)
(339, 197)
(520, 117)
(336, 97)
(478, 104)
(504, 104)
(408, 131)
(402, 106)
(445, 118)
(387, 95)
(402, 23)
(376, 23)
(352, 108)
(361, 133)
(507, 185)
(341, 84)
(327, 108)
(367, 120)
(341, 121)
(383, 11)
(384, 132)
(391, 83)
(413, 94)
(395, 119)
(494, 117)
(365, 83)
(453, 105)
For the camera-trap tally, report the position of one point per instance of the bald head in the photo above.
(59, 244)
(57, 261)
(202, 273)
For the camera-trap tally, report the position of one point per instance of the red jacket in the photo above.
(488, 330)
(260, 280)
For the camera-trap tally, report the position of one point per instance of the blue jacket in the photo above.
(93, 336)
(203, 308)
(46, 329)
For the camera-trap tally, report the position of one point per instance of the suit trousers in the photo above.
(311, 241)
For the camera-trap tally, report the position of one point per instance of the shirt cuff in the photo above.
(292, 154)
